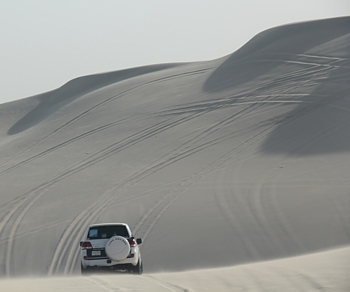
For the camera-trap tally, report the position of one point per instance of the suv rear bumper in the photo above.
(108, 263)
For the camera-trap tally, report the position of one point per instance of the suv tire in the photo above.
(138, 269)
(84, 271)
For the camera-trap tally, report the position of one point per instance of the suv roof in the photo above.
(107, 224)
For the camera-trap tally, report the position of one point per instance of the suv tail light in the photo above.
(132, 241)
(86, 245)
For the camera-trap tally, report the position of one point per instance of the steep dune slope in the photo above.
(235, 160)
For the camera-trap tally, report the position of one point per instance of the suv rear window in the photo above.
(100, 232)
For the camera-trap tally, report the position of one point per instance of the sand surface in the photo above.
(235, 171)
(326, 271)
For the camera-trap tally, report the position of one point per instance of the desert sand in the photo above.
(234, 171)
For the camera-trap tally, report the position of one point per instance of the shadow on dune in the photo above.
(320, 123)
(321, 51)
(52, 101)
(269, 48)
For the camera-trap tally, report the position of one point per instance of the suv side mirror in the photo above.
(139, 240)
(80, 243)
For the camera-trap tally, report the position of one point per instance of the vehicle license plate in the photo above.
(96, 253)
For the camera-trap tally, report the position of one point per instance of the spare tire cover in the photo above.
(117, 248)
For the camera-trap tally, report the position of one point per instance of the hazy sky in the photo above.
(45, 43)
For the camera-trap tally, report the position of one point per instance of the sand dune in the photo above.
(215, 164)
(326, 271)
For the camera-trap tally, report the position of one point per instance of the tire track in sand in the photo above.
(105, 102)
(54, 180)
(71, 235)
(95, 209)
(32, 196)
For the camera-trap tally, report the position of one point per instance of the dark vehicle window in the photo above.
(101, 232)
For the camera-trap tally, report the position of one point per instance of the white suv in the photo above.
(110, 246)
